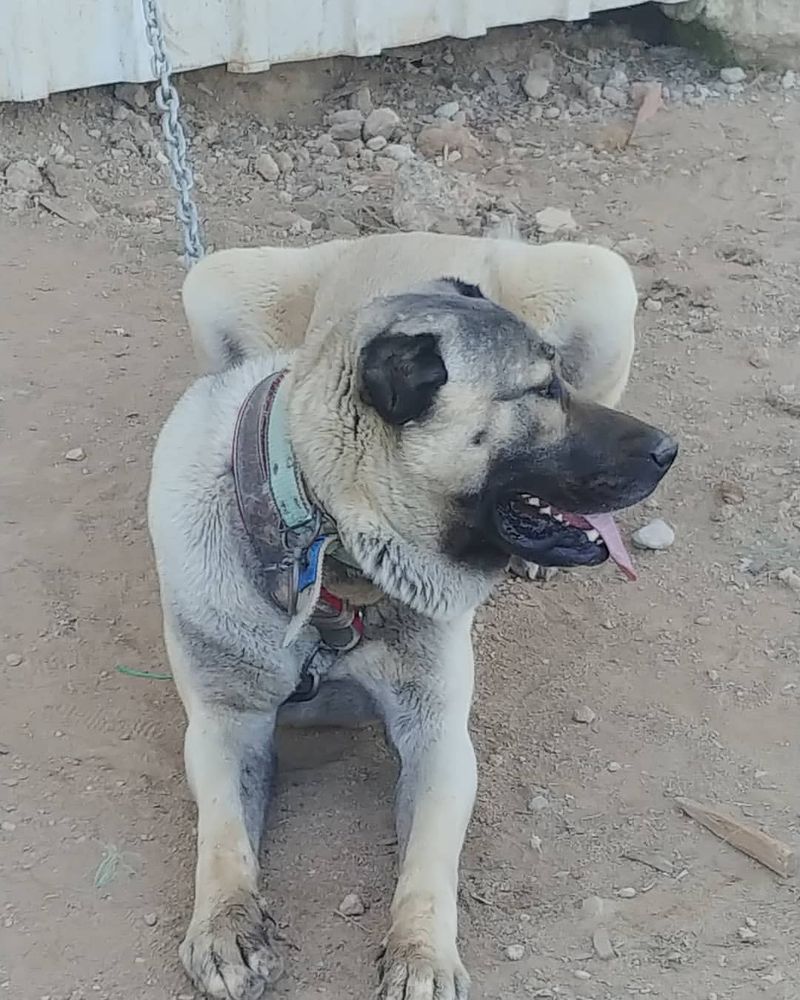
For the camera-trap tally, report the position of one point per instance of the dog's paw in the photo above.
(412, 971)
(531, 571)
(231, 954)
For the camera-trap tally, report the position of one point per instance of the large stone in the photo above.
(428, 199)
(759, 32)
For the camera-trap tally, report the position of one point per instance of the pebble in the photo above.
(22, 175)
(602, 944)
(627, 892)
(594, 907)
(132, 94)
(702, 620)
(613, 766)
(732, 74)
(553, 220)
(151, 919)
(535, 85)
(503, 134)
(266, 167)
(75, 455)
(655, 536)
(653, 305)
(789, 79)
(14, 660)
(376, 143)
(381, 121)
(514, 952)
(790, 578)
(615, 96)
(583, 714)
(759, 358)
(361, 100)
(399, 151)
(346, 128)
(447, 110)
(537, 803)
(635, 249)
(352, 905)
(747, 934)
(551, 113)
(582, 974)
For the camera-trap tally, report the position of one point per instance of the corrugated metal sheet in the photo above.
(51, 45)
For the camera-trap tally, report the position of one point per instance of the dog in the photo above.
(580, 297)
(325, 521)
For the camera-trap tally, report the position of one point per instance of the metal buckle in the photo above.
(309, 683)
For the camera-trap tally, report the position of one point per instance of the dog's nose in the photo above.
(665, 451)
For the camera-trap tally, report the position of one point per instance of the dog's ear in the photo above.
(400, 375)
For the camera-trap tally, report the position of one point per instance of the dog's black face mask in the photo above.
(555, 465)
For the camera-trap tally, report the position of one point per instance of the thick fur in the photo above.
(407, 486)
(579, 297)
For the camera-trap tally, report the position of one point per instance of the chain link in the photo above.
(168, 104)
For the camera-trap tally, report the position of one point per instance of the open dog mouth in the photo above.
(538, 532)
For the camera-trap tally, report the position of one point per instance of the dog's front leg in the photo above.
(229, 949)
(426, 716)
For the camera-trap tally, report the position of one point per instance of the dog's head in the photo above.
(482, 427)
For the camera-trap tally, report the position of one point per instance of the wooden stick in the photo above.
(764, 848)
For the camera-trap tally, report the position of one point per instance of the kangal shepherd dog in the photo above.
(382, 424)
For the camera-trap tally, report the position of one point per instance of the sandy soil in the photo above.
(692, 673)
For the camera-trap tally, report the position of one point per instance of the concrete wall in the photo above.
(761, 32)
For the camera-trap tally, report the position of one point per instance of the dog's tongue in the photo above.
(609, 532)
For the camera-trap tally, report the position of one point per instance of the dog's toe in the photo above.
(231, 955)
(411, 973)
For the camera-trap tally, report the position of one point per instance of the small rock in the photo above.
(627, 892)
(594, 907)
(352, 148)
(732, 74)
(635, 249)
(76, 210)
(613, 766)
(590, 92)
(653, 305)
(759, 358)
(446, 110)
(537, 803)
(75, 455)
(151, 919)
(747, 934)
(328, 147)
(702, 620)
(132, 94)
(554, 220)
(14, 660)
(22, 175)
(399, 151)
(790, 578)
(284, 161)
(515, 952)
(655, 536)
(551, 113)
(376, 143)
(583, 714)
(346, 115)
(340, 226)
(536, 843)
(503, 134)
(381, 121)
(434, 139)
(361, 100)
(352, 905)
(347, 129)
(8, 827)
(582, 974)
(535, 85)
(789, 79)
(602, 944)
(730, 493)
(615, 96)
(617, 77)
(266, 167)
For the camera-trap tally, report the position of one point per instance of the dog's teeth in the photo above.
(593, 535)
(535, 502)
(558, 517)
(547, 510)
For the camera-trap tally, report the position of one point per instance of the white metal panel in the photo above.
(52, 45)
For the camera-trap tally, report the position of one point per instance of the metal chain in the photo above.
(168, 104)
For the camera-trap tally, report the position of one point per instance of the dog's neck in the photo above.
(344, 478)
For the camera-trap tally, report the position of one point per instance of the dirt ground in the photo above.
(691, 673)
